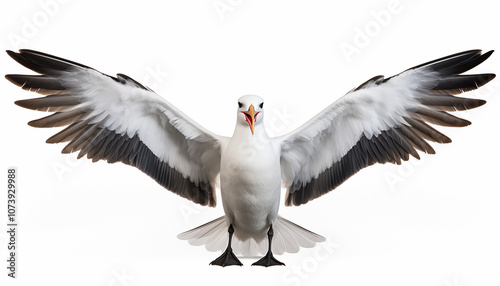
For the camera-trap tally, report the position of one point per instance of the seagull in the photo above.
(117, 119)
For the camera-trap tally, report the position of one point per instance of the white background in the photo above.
(429, 222)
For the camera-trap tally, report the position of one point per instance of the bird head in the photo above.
(250, 111)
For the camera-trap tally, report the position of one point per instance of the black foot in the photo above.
(268, 260)
(227, 258)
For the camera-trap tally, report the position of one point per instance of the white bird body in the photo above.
(384, 120)
(250, 181)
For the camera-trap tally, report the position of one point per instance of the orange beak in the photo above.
(251, 117)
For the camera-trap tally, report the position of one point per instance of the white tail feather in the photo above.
(288, 237)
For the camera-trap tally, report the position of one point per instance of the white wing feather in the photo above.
(118, 119)
(381, 121)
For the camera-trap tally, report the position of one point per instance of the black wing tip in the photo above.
(33, 124)
(13, 78)
(487, 77)
(458, 62)
(479, 102)
(17, 57)
(42, 62)
(20, 103)
(17, 79)
(26, 103)
(45, 64)
(487, 54)
(22, 52)
(11, 53)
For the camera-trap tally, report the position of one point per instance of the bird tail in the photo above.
(288, 237)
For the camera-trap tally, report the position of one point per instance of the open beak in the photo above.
(251, 117)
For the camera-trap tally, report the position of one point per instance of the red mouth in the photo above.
(248, 117)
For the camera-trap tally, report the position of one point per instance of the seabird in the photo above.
(117, 119)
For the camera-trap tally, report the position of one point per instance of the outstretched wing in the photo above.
(383, 120)
(119, 120)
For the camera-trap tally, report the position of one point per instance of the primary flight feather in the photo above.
(117, 119)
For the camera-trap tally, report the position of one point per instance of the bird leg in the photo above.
(227, 258)
(268, 259)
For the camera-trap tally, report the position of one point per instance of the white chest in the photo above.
(250, 162)
(250, 180)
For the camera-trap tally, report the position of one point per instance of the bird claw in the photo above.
(226, 259)
(268, 260)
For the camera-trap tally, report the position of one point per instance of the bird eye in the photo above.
(261, 105)
(240, 105)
